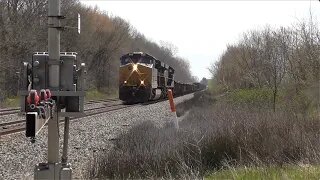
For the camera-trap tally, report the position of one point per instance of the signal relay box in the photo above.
(69, 95)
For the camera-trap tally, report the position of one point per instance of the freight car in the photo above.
(142, 77)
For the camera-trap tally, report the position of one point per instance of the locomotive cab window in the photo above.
(125, 61)
(146, 61)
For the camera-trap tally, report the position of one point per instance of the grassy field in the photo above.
(274, 173)
(218, 134)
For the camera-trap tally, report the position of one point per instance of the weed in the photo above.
(213, 136)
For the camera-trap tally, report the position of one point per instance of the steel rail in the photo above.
(9, 111)
(20, 125)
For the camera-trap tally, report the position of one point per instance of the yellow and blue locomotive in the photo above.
(142, 77)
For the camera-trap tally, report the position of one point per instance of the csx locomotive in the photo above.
(142, 77)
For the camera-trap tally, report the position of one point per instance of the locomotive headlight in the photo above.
(142, 82)
(125, 82)
(135, 67)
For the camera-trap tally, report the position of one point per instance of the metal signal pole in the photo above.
(54, 79)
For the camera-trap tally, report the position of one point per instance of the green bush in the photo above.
(12, 101)
(302, 103)
(94, 94)
(216, 88)
(260, 97)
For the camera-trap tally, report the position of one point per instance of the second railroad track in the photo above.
(108, 106)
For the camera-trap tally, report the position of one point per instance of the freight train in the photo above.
(142, 78)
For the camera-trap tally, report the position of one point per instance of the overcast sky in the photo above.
(202, 29)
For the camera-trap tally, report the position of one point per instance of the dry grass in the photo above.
(211, 137)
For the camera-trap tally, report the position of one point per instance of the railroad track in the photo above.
(100, 101)
(108, 106)
(9, 111)
(19, 126)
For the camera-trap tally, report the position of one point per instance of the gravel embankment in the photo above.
(18, 155)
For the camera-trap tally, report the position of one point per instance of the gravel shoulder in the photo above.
(89, 135)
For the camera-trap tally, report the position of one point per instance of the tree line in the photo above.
(283, 59)
(103, 39)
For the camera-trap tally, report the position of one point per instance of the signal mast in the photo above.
(52, 86)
